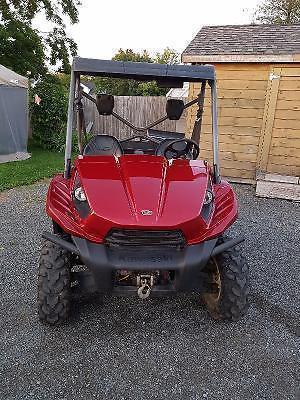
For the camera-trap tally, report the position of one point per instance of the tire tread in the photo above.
(234, 271)
(53, 284)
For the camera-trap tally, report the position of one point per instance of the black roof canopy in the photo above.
(143, 71)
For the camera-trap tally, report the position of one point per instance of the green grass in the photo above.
(42, 164)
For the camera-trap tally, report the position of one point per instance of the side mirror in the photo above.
(105, 104)
(174, 109)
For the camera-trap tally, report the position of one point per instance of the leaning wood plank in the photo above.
(268, 119)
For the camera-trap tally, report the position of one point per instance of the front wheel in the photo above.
(54, 284)
(228, 286)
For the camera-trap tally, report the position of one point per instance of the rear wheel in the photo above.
(54, 284)
(228, 285)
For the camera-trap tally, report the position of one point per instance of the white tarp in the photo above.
(11, 78)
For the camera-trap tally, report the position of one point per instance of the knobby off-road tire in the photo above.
(229, 277)
(54, 284)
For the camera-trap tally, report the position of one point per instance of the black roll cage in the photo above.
(172, 75)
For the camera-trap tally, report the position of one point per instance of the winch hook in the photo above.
(144, 289)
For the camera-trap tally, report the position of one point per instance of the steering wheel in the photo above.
(182, 148)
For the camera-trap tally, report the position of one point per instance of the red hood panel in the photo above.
(119, 190)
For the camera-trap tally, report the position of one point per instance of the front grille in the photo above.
(118, 237)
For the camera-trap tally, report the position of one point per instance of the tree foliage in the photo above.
(50, 117)
(126, 87)
(130, 55)
(278, 12)
(168, 56)
(21, 49)
(19, 14)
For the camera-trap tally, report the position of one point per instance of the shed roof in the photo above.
(11, 78)
(245, 43)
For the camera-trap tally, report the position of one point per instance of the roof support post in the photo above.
(79, 113)
(68, 150)
(198, 123)
(215, 133)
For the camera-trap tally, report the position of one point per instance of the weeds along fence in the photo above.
(139, 110)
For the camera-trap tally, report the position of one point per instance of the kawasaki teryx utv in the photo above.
(141, 215)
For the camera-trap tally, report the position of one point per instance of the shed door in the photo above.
(279, 148)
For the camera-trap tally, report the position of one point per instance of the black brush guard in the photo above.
(103, 261)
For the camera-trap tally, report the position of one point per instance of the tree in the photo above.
(168, 56)
(130, 55)
(126, 87)
(278, 12)
(57, 43)
(21, 49)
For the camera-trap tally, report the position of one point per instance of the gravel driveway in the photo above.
(164, 348)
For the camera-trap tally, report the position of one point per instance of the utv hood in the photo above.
(141, 191)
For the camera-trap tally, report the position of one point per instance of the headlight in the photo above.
(208, 197)
(79, 198)
(208, 205)
(79, 194)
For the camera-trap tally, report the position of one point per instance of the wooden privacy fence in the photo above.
(259, 120)
(139, 110)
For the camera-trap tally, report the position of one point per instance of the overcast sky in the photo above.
(105, 26)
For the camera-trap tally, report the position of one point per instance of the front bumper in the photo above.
(104, 261)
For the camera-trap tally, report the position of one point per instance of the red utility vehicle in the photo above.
(141, 215)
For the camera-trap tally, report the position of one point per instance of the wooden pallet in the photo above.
(278, 186)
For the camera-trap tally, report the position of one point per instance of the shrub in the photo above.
(49, 119)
